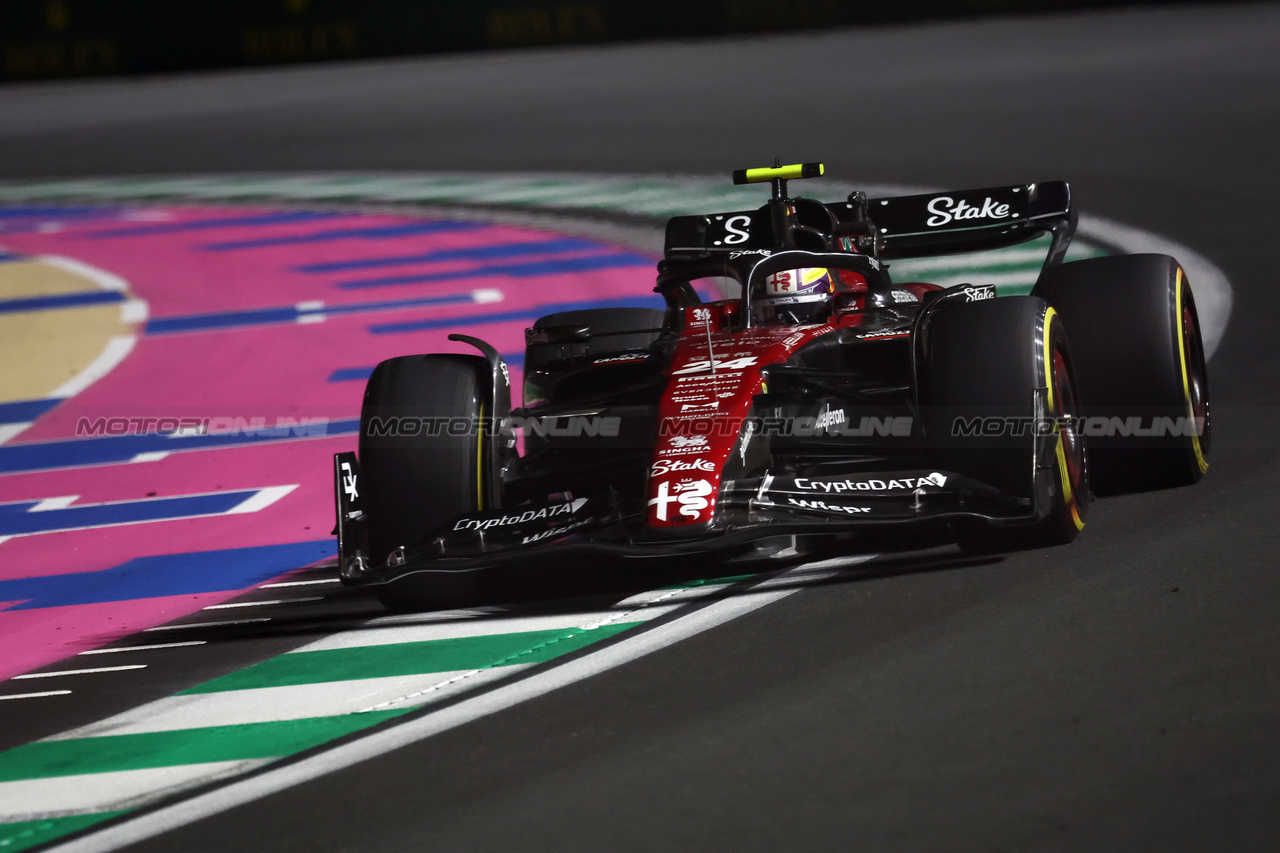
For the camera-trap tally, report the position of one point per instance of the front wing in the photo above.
(753, 516)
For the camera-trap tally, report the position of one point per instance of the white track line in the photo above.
(298, 583)
(81, 671)
(114, 353)
(102, 278)
(54, 503)
(143, 648)
(235, 604)
(208, 624)
(35, 695)
(383, 741)
(8, 431)
(263, 499)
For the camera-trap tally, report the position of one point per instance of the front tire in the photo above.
(421, 457)
(1008, 361)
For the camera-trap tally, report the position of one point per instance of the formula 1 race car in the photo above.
(791, 399)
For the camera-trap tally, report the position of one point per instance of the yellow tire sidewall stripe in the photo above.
(1186, 382)
(1068, 493)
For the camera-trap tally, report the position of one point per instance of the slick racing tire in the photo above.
(1140, 366)
(418, 477)
(1007, 362)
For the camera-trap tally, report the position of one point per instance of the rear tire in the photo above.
(1138, 353)
(417, 482)
(988, 359)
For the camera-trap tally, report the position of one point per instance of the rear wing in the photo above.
(909, 226)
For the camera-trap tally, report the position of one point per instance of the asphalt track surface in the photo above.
(1120, 693)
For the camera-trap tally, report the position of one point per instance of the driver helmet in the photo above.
(795, 297)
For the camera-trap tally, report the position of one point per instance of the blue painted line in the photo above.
(555, 266)
(151, 229)
(221, 320)
(114, 449)
(474, 253)
(170, 574)
(381, 232)
(362, 374)
(290, 314)
(60, 300)
(351, 374)
(51, 212)
(24, 411)
(16, 520)
(530, 313)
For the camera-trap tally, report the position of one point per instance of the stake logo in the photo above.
(666, 466)
(946, 209)
(979, 293)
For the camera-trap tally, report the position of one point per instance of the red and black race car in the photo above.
(791, 398)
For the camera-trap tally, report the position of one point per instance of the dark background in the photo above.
(68, 38)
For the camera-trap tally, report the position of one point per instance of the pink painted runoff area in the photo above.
(192, 261)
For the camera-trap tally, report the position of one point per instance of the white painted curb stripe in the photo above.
(28, 799)
(479, 627)
(294, 702)
(379, 743)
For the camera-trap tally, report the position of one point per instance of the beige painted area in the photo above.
(41, 350)
(24, 279)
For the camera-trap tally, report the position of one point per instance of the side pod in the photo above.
(353, 559)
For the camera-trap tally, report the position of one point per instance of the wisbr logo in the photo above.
(823, 506)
